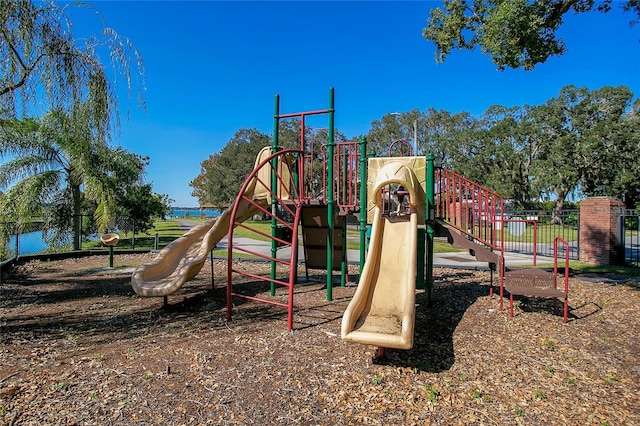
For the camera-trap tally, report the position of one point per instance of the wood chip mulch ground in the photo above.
(78, 347)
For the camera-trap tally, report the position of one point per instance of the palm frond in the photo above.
(24, 167)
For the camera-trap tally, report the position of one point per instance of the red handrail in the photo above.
(469, 207)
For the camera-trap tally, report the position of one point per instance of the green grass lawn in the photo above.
(578, 267)
(545, 233)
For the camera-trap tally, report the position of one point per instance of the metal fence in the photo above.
(534, 231)
(34, 237)
(630, 233)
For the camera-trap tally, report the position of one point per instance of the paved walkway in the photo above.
(457, 260)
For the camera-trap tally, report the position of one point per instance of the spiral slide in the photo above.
(182, 259)
(382, 310)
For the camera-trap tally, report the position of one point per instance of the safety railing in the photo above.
(469, 207)
(630, 231)
(533, 231)
(346, 169)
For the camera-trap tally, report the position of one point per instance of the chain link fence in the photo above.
(34, 237)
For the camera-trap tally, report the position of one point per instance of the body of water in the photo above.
(195, 212)
(29, 243)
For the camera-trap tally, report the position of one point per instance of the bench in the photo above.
(541, 283)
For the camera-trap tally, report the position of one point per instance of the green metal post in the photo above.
(213, 275)
(330, 200)
(274, 187)
(363, 201)
(296, 176)
(430, 220)
(110, 256)
(421, 259)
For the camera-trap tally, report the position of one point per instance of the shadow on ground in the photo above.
(435, 325)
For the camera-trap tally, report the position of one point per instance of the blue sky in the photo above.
(215, 67)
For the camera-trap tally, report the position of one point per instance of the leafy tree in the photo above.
(582, 141)
(512, 151)
(627, 184)
(57, 164)
(587, 142)
(141, 206)
(382, 133)
(514, 33)
(610, 145)
(42, 63)
(223, 173)
(52, 159)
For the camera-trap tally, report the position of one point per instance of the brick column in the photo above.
(600, 240)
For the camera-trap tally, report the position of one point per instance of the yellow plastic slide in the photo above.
(182, 259)
(382, 311)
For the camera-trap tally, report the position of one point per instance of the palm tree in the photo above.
(58, 163)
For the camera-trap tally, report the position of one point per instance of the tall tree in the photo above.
(43, 64)
(383, 132)
(451, 138)
(587, 142)
(514, 33)
(610, 144)
(222, 174)
(513, 147)
(58, 162)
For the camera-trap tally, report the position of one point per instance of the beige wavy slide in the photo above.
(182, 259)
(382, 310)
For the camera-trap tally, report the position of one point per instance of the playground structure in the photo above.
(404, 200)
(182, 259)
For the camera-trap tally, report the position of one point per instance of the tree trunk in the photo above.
(556, 217)
(76, 232)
